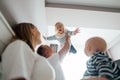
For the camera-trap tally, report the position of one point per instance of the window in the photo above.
(74, 65)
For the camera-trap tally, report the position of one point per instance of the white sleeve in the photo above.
(54, 59)
(17, 61)
(43, 70)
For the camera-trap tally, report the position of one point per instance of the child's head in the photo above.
(59, 28)
(94, 44)
(45, 50)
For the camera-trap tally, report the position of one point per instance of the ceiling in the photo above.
(23, 10)
(106, 5)
(97, 5)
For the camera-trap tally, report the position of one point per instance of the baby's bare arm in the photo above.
(77, 30)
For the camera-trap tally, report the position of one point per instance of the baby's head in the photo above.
(59, 28)
(94, 44)
(45, 50)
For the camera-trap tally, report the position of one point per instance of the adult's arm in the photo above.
(64, 50)
(17, 61)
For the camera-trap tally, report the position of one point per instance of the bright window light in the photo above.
(74, 65)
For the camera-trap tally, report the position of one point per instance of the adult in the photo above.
(55, 59)
(19, 60)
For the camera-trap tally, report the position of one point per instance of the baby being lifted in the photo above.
(60, 35)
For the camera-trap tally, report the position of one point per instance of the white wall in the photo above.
(5, 33)
(25, 11)
(83, 18)
(115, 49)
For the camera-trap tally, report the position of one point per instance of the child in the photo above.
(60, 35)
(99, 66)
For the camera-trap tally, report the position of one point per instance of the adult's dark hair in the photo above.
(23, 32)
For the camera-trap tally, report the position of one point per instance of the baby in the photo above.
(99, 66)
(60, 35)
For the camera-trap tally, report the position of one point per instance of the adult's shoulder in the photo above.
(18, 46)
(18, 42)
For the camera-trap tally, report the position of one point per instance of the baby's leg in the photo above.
(72, 49)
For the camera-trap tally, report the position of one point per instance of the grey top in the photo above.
(60, 38)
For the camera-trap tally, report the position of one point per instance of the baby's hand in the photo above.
(77, 30)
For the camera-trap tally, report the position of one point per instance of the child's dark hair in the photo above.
(41, 51)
